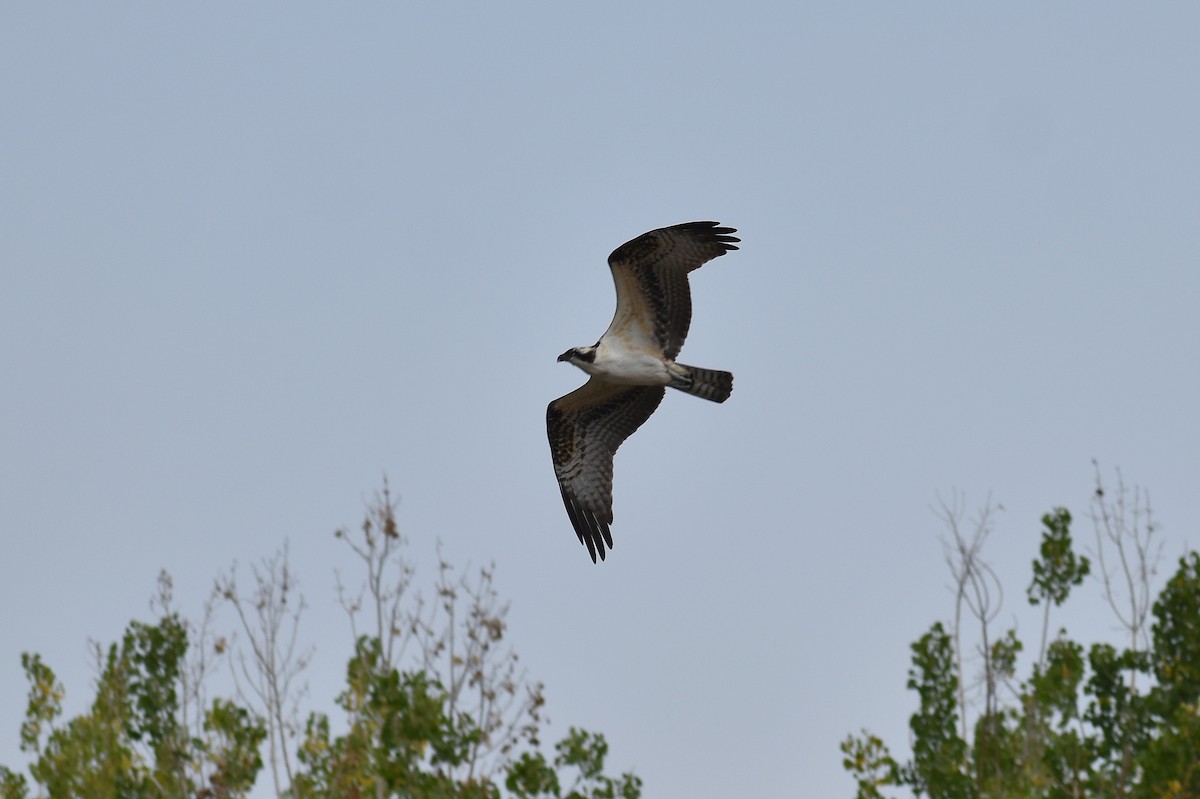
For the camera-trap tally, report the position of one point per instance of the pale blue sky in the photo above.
(255, 257)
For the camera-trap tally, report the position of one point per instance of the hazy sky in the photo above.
(255, 257)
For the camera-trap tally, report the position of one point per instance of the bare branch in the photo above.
(387, 580)
(271, 659)
(976, 587)
(1124, 524)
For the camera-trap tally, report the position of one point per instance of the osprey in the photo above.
(630, 367)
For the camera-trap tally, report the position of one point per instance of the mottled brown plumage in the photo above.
(651, 275)
(630, 368)
(585, 428)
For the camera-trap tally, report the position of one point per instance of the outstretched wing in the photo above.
(585, 428)
(654, 305)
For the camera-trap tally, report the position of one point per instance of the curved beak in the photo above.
(566, 356)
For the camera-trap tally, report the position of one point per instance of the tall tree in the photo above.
(434, 703)
(1098, 721)
(132, 741)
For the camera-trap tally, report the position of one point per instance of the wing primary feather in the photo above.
(592, 533)
(649, 247)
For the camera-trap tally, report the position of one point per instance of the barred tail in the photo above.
(709, 384)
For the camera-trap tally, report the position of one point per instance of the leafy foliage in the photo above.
(1058, 568)
(132, 742)
(455, 720)
(939, 755)
(1101, 721)
(532, 777)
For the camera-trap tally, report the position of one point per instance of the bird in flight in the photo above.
(630, 367)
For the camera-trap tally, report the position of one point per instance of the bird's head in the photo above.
(577, 355)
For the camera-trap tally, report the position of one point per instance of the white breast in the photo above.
(634, 366)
